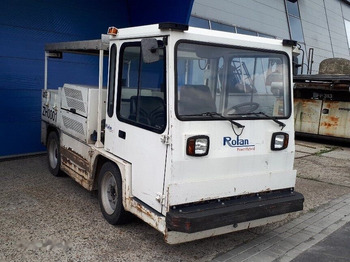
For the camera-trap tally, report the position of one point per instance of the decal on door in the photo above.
(240, 144)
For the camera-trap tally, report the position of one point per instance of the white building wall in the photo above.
(316, 30)
(322, 22)
(346, 10)
(263, 16)
(324, 29)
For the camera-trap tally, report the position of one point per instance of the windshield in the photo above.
(232, 82)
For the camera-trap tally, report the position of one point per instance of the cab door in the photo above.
(135, 131)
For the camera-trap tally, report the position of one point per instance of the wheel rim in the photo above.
(53, 153)
(109, 193)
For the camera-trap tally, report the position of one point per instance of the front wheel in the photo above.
(54, 154)
(110, 195)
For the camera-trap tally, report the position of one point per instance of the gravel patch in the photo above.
(47, 218)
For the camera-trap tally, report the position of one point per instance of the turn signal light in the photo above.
(112, 30)
(197, 146)
(279, 141)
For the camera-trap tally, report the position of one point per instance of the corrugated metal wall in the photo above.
(264, 16)
(322, 22)
(25, 27)
(324, 29)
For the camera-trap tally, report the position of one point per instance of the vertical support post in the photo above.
(45, 73)
(99, 107)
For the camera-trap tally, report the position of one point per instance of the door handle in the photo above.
(325, 111)
(122, 134)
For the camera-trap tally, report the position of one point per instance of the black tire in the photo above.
(110, 195)
(54, 154)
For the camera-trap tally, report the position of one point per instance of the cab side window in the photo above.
(111, 82)
(141, 89)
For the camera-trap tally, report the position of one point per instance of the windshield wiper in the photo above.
(212, 114)
(274, 119)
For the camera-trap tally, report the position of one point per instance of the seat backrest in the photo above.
(150, 109)
(195, 99)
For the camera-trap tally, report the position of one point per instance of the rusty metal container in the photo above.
(322, 101)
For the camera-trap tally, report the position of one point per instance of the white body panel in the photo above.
(147, 154)
(79, 110)
(75, 114)
(228, 171)
(140, 147)
(157, 173)
(50, 105)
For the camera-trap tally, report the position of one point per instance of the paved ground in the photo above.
(299, 240)
(319, 235)
(334, 247)
(43, 218)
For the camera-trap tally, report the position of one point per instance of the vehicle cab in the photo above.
(205, 119)
(194, 133)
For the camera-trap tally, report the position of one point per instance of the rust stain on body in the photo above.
(76, 167)
(75, 159)
(330, 122)
(331, 104)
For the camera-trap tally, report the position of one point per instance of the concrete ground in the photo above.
(44, 218)
(334, 247)
(317, 236)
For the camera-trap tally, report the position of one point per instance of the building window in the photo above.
(199, 22)
(223, 27)
(294, 20)
(347, 28)
(265, 35)
(293, 8)
(296, 30)
(208, 24)
(245, 31)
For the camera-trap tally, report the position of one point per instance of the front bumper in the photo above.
(231, 211)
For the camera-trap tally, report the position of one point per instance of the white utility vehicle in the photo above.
(194, 133)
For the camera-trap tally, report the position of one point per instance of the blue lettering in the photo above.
(227, 140)
(235, 142)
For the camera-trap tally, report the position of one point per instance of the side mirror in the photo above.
(150, 50)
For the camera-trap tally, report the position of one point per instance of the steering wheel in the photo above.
(243, 108)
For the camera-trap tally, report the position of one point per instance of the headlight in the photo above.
(279, 141)
(197, 146)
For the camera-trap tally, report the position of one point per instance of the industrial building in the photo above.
(319, 26)
(322, 28)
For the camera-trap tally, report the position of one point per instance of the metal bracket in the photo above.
(160, 198)
(165, 139)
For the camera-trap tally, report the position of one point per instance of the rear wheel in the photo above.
(110, 195)
(53, 154)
